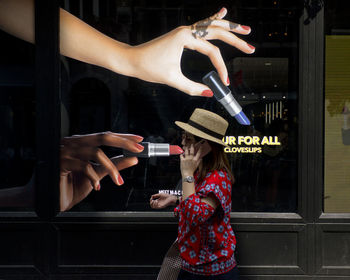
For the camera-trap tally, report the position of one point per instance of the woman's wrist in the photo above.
(123, 60)
(186, 174)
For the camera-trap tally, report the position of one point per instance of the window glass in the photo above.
(337, 108)
(265, 83)
(17, 123)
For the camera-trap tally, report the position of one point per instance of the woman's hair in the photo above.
(215, 160)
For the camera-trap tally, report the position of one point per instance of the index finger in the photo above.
(186, 151)
(192, 149)
(217, 20)
(220, 14)
(117, 140)
(231, 26)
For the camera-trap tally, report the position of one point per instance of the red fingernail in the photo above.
(228, 81)
(140, 147)
(120, 180)
(98, 187)
(207, 93)
(140, 138)
(245, 27)
(250, 46)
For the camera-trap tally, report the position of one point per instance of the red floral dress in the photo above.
(206, 239)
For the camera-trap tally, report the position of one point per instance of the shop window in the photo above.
(17, 124)
(265, 84)
(337, 109)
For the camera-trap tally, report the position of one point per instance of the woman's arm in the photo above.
(162, 200)
(78, 40)
(17, 18)
(188, 165)
(194, 209)
(189, 189)
(154, 61)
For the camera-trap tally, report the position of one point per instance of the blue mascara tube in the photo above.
(223, 94)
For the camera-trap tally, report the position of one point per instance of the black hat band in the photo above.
(205, 130)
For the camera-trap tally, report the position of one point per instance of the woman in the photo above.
(205, 237)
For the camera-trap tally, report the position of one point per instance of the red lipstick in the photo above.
(175, 150)
(155, 150)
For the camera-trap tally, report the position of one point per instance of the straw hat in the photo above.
(206, 124)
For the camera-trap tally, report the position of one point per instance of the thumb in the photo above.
(190, 87)
(155, 196)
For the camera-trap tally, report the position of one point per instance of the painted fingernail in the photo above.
(98, 187)
(245, 27)
(120, 180)
(138, 146)
(140, 138)
(250, 46)
(228, 81)
(207, 93)
(222, 10)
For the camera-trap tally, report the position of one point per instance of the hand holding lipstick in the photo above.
(155, 61)
(78, 175)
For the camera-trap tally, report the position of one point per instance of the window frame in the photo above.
(310, 130)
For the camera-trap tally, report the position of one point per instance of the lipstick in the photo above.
(223, 94)
(155, 150)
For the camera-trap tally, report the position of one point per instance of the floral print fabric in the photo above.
(206, 239)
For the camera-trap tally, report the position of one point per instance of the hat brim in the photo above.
(199, 133)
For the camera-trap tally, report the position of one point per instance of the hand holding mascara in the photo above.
(223, 94)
